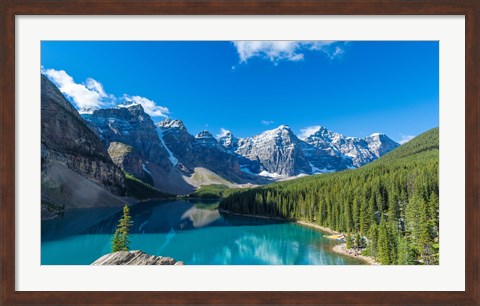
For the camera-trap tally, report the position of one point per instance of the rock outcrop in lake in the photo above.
(134, 258)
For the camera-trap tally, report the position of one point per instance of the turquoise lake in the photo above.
(194, 232)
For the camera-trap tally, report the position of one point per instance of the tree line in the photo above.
(388, 207)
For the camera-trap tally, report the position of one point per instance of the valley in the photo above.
(380, 197)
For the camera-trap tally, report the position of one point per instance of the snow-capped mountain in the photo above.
(380, 144)
(87, 110)
(202, 150)
(228, 141)
(161, 150)
(206, 139)
(279, 152)
(359, 150)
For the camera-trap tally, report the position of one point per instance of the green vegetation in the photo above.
(213, 191)
(138, 189)
(391, 205)
(120, 238)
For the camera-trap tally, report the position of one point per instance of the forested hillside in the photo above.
(391, 204)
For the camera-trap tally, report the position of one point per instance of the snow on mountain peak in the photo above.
(169, 123)
(87, 110)
(204, 134)
(224, 133)
(131, 105)
(227, 140)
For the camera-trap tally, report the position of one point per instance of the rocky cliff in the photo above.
(127, 159)
(76, 168)
(132, 126)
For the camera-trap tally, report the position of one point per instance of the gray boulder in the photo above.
(134, 258)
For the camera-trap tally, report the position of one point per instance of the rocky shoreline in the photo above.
(354, 253)
(134, 258)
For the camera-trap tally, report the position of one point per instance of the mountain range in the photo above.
(99, 146)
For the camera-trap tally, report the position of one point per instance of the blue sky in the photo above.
(354, 88)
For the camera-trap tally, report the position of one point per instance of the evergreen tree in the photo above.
(348, 241)
(373, 243)
(403, 253)
(120, 240)
(383, 250)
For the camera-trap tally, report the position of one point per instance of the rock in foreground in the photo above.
(134, 258)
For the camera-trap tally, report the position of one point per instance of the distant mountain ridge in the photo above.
(360, 150)
(273, 154)
(166, 156)
(281, 153)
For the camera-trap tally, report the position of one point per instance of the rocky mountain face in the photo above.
(188, 152)
(73, 158)
(229, 142)
(278, 151)
(136, 146)
(130, 126)
(281, 153)
(359, 150)
(127, 159)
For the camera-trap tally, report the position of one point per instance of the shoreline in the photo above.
(323, 229)
(339, 248)
(342, 249)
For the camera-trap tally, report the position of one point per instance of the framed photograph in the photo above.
(260, 152)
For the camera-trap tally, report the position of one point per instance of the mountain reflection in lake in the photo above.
(194, 232)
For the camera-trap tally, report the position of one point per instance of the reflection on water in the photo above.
(194, 232)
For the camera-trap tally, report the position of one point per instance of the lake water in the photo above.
(194, 232)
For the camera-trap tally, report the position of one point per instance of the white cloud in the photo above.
(267, 122)
(405, 139)
(91, 94)
(148, 105)
(96, 86)
(88, 95)
(223, 132)
(309, 130)
(285, 50)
